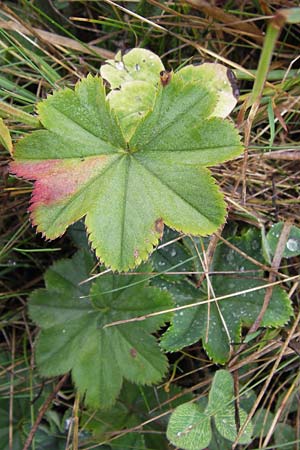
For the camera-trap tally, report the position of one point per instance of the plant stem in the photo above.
(264, 62)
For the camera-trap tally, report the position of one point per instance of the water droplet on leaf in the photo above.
(292, 245)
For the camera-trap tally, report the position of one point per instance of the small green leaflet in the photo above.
(190, 424)
(127, 175)
(207, 321)
(189, 427)
(72, 318)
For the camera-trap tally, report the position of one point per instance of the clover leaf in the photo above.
(72, 318)
(220, 323)
(190, 424)
(127, 180)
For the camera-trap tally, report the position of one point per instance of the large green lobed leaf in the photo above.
(72, 318)
(127, 174)
(220, 324)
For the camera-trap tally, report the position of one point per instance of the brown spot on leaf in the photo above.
(159, 226)
(165, 77)
(133, 352)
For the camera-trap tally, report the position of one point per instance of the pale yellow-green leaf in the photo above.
(218, 79)
(138, 64)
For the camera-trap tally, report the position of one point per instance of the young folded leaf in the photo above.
(126, 179)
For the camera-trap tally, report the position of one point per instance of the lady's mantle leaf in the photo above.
(207, 321)
(73, 334)
(83, 166)
(171, 257)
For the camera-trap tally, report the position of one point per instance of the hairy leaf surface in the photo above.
(189, 428)
(72, 318)
(220, 406)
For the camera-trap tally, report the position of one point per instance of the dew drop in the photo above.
(292, 245)
(63, 330)
(178, 434)
(11, 262)
(120, 65)
(173, 252)
(137, 67)
(161, 263)
(68, 423)
(190, 427)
